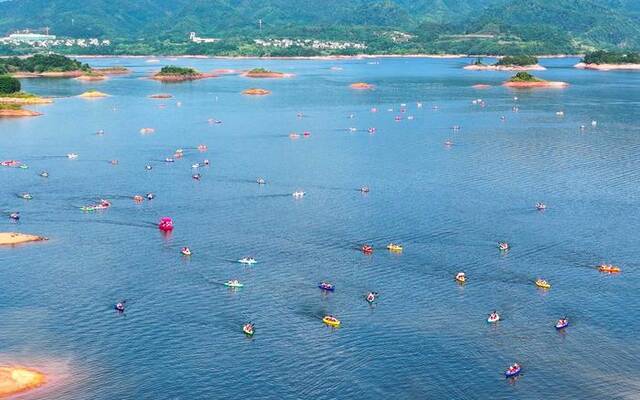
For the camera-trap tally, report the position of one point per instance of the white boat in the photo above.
(72, 156)
(494, 317)
(247, 260)
(234, 284)
(298, 194)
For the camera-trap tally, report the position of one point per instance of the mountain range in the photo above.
(442, 25)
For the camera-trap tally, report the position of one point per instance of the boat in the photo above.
(233, 284)
(44, 174)
(371, 130)
(148, 167)
(260, 181)
(113, 162)
(448, 143)
(294, 135)
(371, 297)
(298, 194)
(394, 247)
(562, 323)
(72, 156)
(169, 160)
(493, 317)
(202, 147)
(540, 206)
(609, 268)
(541, 283)
(247, 260)
(513, 370)
(195, 166)
(185, 251)
(14, 216)
(326, 286)
(138, 199)
(364, 189)
(205, 162)
(88, 208)
(119, 306)
(248, 329)
(196, 176)
(461, 277)
(306, 133)
(26, 196)
(367, 249)
(165, 224)
(331, 321)
(150, 196)
(10, 163)
(503, 246)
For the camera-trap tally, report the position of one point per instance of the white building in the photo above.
(195, 39)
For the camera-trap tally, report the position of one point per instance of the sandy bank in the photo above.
(66, 74)
(91, 78)
(269, 74)
(18, 113)
(14, 380)
(256, 92)
(608, 67)
(112, 70)
(92, 94)
(25, 100)
(160, 96)
(11, 238)
(361, 86)
(535, 67)
(531, 85)
(481, 86)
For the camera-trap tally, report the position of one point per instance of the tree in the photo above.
(9, 84)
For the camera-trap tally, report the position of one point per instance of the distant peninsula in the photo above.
(12, 99)
(524, 80)
(172, 73)
(608, 60)
(508, 63)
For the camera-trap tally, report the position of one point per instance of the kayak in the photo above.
(512, 372)
(233, 284)
(611, 269)
(394, 247)
(331, 321)
(88, 208)
(246, 260)
(326, 286)
(543, 284)
(562, 325)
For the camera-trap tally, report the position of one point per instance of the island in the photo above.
(115, 70)
(43, 66)
(361, 86)
(525, 80)
(14, 380)
(13, 238)
(91, 76)
(92, 94)
(508, 63)
(264, 73)
(609, 60)
(172, 73)
(256, 92)
(12, 99)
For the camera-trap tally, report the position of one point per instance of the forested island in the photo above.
(172, 73)
(610, 60)
(43, 65)
(525, 80)
(508, 63)
(264, 73)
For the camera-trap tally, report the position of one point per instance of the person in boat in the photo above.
(150, 196)
(120, 306)
(14, 216)
(371, 296)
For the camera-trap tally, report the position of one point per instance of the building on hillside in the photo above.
(195, 39)
(29, 37)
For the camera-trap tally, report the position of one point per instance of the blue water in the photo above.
(426, 337)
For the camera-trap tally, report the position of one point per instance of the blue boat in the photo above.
(326, 286)
(562, 325)
(512, 372)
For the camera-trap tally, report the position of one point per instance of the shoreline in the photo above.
(329, 58)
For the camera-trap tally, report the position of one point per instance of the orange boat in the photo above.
(608, 268)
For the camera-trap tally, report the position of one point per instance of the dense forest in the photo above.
(41, 63)
(497, 27)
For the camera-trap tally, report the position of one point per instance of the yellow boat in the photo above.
(394, 247)
(461, 277)
(541, 283)
(331, 321)
(612, 269)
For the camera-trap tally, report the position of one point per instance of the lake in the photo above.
(425, 337)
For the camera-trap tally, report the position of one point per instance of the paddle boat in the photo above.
(100, 132)
(503, 246)
(14, 216)
(461, 277)
(353, 129)
(513, 370)
(371, 297)
(371, 130)
(298, 194)
(364, 189)
(247, 260)
(560, 113)
(326, 286)
(202, 147)
(541, 283)
(185, 251)
(394, 247)
(448, 143)
(196, 176)
(366, 249)
(44, 174)
(214, 121)
(540, 206)
(165, 224)
(26, 196)
(88, 208)
(169, 160)
(148, 167)
(493, 317)
(331, 321)
(72, 156)
(195, 166)
(150, 196)
(10, 163)
(562, 323)
(306, 134)
(205, 162)
(233, 284)
(260, 181)
(114, 162)
(138, 199)
(248, 329)
(294, 135)
(609, 268)
(119, 306)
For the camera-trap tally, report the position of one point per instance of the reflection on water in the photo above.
(426, 336)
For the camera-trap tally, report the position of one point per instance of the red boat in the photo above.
(367, 249)
(165, 224)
